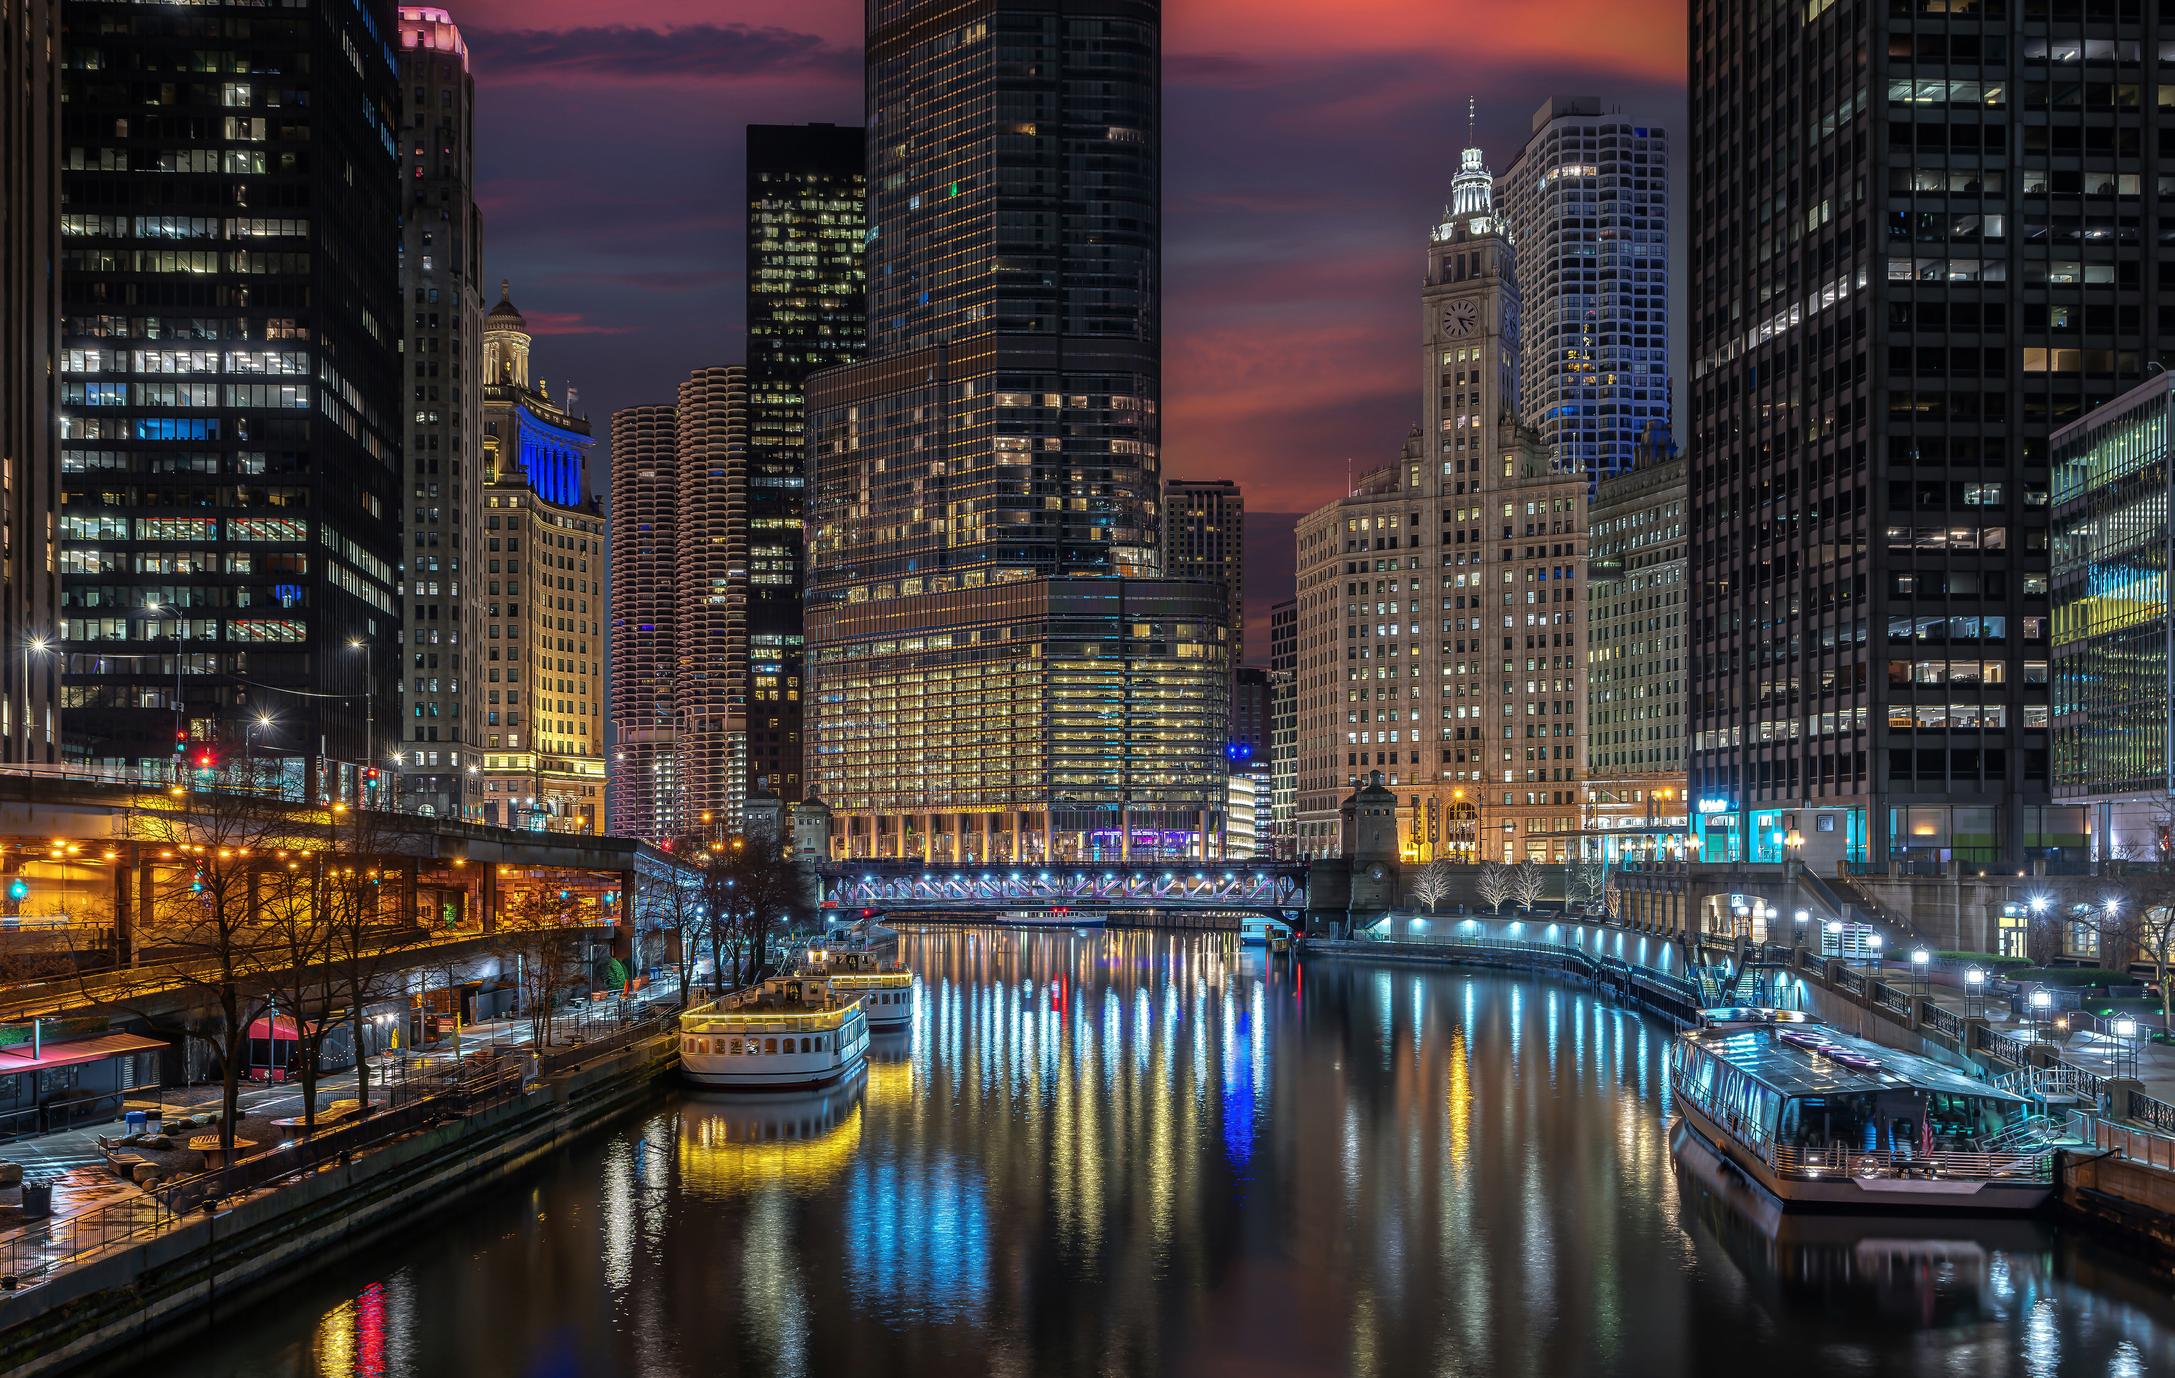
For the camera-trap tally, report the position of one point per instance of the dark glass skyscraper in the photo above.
(807, 310)
(996, 670)
(229, 529)
(1925, 238)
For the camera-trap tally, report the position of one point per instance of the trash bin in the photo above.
(135, 1121)
(37, 1200)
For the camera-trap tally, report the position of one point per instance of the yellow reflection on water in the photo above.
(890, 1084)
(335, 1342)
(730, 1151)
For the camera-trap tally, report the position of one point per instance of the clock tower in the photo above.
(1469, 338)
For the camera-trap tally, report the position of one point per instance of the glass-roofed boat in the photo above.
(1820, 1118)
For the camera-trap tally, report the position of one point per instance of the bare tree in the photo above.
(302, 985)
(367, 948)
(1612, 898)
(766, 894)
(544, 926)
(1587, 882)
(1527, 882)
(215, 851)
(674, 905)
(1433, 885)
(1494, 884)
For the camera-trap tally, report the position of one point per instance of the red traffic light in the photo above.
(371, 775)
(207, 759)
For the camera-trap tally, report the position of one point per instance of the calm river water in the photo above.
(1152, 1154)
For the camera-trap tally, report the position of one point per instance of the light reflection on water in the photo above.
(1142, 1153)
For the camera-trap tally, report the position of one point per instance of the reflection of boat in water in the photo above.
(792, 1031)
(1816, 1117)
(1934, 1276)
(731, 1143)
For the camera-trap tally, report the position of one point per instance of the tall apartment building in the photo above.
(712, 673)
(441, 260)
(644, 766)
(2113, 700)
(231, 485)
(1587, 204)
(807, 309)
(1638, 530)
(30, 219)
(1283, 727)
(1441, 602)
(1204, 539)
(1903, 290)
(542, 534)
(986, 482)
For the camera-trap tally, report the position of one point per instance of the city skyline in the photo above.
(1264, 220)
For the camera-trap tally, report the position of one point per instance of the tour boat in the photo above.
(789, 1032)
(1818, 1118)
(886, 988)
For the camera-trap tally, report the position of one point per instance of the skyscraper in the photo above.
(1441, 602)
(807, 309)
(1283, 727)
(712, 674)
(232, 493)
(30, 220)
(1901, 292)
(441, 257)
(644, 767)
(1637, 532)
(1587, 203)
(984, 515)
(542, 534)
(1204, 539)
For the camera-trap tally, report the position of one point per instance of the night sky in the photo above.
(1308, 147)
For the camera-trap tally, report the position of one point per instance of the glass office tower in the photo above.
(1925, 238)
(995, 668)
(231, 508)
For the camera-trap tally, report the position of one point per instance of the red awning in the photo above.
(75, 1050)
(279, 1026)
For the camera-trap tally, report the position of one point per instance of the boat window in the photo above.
(770, 1045)
(804, 1045)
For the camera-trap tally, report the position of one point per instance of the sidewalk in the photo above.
(2102, 1056)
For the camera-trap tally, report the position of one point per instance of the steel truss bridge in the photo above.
(1276, 890)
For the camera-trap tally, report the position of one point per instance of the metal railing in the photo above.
(1837, 1161)
(2013, 1051)
(1891, 999)
(2157, 1113)
(2061, 1079)
(1941, 1020)
(37, 1252)
(2138, 1145)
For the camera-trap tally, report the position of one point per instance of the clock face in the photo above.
(1460, 318)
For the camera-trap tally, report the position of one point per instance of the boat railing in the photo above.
(2060, 1080)
(1838, 1161)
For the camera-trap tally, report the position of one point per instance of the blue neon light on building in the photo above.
(555, 459)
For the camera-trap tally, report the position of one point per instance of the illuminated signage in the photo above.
(1714, 806)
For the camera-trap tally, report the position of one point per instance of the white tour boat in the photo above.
(886, 988)
(1819, 1118)
(789, 1032)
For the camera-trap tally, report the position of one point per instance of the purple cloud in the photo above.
(691, 52)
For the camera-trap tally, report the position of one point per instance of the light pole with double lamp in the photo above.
(2125, 1031)
(1921, 969)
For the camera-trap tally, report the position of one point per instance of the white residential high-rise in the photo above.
(1586, 202)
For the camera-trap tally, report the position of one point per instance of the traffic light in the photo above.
(370, 777)
(181, 743)
(206, 758)
(18, 889)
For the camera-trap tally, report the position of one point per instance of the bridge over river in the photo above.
(1152, 894)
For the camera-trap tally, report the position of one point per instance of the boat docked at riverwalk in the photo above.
(886, 988)
(1820, 1119)
(790, 1032)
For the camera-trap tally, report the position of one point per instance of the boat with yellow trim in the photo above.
(789, 1032)
(886, 988)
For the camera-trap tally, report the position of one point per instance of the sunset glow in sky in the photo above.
(1307, 148)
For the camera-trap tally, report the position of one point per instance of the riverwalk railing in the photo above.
(2138, 1145)
(40, 1251)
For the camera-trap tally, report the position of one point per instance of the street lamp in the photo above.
(1975, 990)
(2125, 1029)
(1835, 937)
(370, 702)
(2041, 1004)
(1921, 968)
(1872, 944)
(35, 646)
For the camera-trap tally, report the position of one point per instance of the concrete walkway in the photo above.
(75, 1165)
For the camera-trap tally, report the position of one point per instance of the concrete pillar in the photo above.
(124, 925)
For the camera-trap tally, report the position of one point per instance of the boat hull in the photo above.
(1858, 1195)
(764, 1072)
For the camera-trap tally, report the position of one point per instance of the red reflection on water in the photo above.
(370, 1332)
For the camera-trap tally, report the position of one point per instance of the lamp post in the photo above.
(2125, 1030)
(370, 703)
(2041, 1003)
(1921, 969)
(34, 646)
(1975, 990)
(1835, 936)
